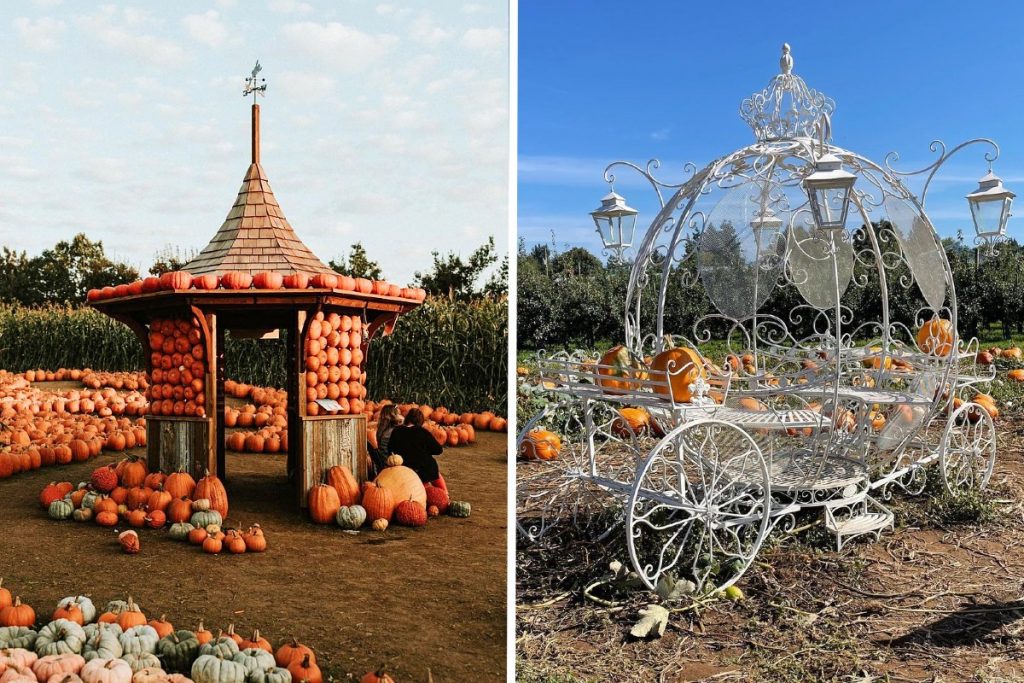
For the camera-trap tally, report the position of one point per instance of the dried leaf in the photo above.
(670, 589)
(653, 619)
(624, 578)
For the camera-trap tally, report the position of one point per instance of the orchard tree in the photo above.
(358, 264)
(454, 278)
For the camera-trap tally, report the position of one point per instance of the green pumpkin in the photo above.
(274, 674)
(139, 640)
(351, 517)
(219, 647)
(140, 661)
(102, 642)
(60, 637)
(212, 669)
(205, 518)
(61, 509)
(253, 658)
(459, 508)
(179, 531)
(12, 637)
(90, 499)
(83, 603)
(178, 651)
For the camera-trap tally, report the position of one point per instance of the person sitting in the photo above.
(418, 447)
(386, 423)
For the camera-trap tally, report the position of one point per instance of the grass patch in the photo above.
(962, 507)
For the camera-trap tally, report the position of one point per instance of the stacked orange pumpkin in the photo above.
(178, 362)
(334, 364)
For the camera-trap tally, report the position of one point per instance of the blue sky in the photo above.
(601, 81)
(385, 122)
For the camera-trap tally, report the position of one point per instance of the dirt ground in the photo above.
(936, 600)
(411, 598)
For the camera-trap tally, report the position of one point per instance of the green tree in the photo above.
(65, 273)
(358, 264)
(171, 258)
(454, 278)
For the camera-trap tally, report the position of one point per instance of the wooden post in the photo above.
(255, 133)
(218, 401)
(296, 400)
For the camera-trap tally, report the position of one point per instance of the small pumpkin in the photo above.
(305, 669)
(57, 665)
(61, 509)
(351, 517)
(459, 508)
(379, 675)
(255, 540)
(291, 650)
(161, 626)
(179, 531)
(83, 603)
(17, 614)
(129, 541)
(60, 637)
(221, 646)
(380, 524)
(149, 674)
(410, 513)
(140, 661)
(132, 614)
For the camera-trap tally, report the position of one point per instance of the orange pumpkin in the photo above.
(540, 444)
(341, 478)
(631, 421)
(936, 337)
(211, 488)
(323, 503)
(675, 369)
(616, 363)
(404, 484)
(377, 501)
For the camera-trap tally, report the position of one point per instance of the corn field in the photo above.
(443, 353)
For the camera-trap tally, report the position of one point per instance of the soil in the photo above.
(414, 599)
(934, 600)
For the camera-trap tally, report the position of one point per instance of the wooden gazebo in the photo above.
(256, 238)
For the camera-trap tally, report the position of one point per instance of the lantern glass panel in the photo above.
(988, 215)
(830, 205)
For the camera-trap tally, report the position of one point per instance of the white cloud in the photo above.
(289, 6)
(46, 3)
(485, 39)
(121, 34)
(303, 85)
(426, 32)
(40, 34)
(389, 10)
(206, 28)
(344, 47)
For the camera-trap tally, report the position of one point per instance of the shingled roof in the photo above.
(256, 236)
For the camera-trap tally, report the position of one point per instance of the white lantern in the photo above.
(828, 190)
(990, 207)
(615, 221)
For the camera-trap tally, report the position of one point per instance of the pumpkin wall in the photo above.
(451, 353)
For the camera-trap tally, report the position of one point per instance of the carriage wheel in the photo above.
(967, 453)
(700, 506)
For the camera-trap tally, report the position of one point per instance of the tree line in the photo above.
(63, 274)
(571, 298)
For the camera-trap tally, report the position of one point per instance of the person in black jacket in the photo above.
(417, 447)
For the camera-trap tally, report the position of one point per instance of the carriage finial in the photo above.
(786, 61)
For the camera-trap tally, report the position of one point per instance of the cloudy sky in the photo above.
(384, 122)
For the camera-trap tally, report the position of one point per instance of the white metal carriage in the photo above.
(812, 409)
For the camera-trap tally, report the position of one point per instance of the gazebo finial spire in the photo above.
(255, 86)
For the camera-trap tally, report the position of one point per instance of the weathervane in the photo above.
(251, 86)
